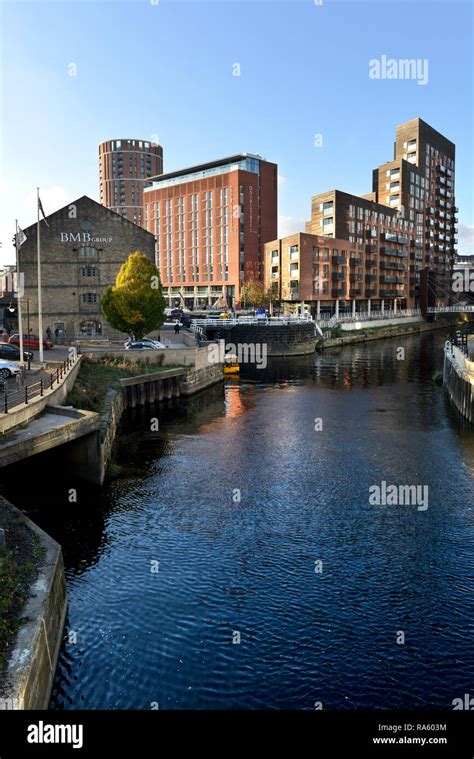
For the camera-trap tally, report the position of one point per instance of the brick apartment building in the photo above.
(124, 169)
(367, 252)
(82, 250)
(211, 222)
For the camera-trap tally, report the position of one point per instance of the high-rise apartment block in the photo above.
(125, 168)
(367, 252)
(210, 223)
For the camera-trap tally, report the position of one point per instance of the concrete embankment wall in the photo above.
(35, 654)
(149, 388)
(458, 379)
(392, 331)
(371, 323)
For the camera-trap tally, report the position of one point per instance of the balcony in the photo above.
(389, 236)
(355, 261)
(441, 168)
(370, 292)
(338, 292)
(402, 239)
(337, 260)
(370, 248)
(392, 265)
(371, 278)
(355, 293)
(391, 280)
(389, 293)
(370, 263)
(338, 276)
(355, 277)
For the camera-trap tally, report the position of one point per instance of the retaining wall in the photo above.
(35, 654)
(280, 339)
(458, 379)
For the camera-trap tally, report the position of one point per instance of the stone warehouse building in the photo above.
(82, 250)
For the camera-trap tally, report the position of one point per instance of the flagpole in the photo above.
(18, 288)
(40, 305)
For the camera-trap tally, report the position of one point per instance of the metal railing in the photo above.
(35, 389)
(366, 316)
(268, 320)
(458, 308)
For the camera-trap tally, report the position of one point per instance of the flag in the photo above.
(40, 206)
(20, 237)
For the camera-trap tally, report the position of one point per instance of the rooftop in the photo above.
(202, 168)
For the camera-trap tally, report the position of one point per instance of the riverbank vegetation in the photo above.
(96, 378)
(19, 562)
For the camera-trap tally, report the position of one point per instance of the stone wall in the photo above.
(198, 379)
(280, 339)
(35, 654)
(82, 250)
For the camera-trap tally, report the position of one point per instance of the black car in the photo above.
(11, 352)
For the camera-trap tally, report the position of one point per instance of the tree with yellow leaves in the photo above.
(135, 304)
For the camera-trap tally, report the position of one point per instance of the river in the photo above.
(237, 563)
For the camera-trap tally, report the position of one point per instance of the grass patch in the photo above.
(96, 378)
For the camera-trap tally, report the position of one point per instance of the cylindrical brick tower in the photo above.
(124, 166)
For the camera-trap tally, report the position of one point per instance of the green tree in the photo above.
(252, 293)
(135, 304)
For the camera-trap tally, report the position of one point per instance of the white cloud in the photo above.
(288, 225)
(466, 239)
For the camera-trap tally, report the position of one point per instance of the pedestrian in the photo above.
(177, 328)
(56, 333)
(48, 333)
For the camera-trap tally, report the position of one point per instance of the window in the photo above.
(88, 271)
(89, 298)
(294, 253)
(87, 252)
(328, 207)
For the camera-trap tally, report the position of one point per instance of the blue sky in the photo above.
(164, 70)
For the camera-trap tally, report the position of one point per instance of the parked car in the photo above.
(146, 341)
(8, 369)
(143, 346)
(30, 341)
(12, 352)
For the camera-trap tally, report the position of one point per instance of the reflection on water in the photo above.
(234, 500)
